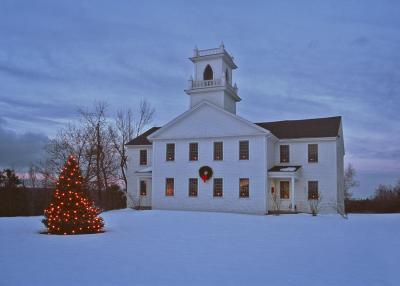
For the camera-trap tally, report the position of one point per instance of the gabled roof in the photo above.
(305, 128)
(288, 129)
(142, 138)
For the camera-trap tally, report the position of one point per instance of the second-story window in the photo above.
(193, 151)
(170, 152)
(244, 150)
(218, 151)
(143, 157)
(312, 153)
(284, 153)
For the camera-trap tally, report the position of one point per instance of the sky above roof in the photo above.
(296, 59)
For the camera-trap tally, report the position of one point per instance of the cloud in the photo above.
(19, 150)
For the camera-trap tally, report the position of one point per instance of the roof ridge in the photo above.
(305, 119)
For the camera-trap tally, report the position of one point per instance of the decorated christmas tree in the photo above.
(71, 211)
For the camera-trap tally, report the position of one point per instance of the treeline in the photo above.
(385, 200)
(98, 141)
(19, 200)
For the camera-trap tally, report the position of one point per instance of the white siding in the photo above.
(230, 169)
(133, 178)
(324, 171)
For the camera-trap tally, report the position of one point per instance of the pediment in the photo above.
(207, 120)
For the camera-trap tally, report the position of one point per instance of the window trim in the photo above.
(166, 152)
(222, 150)
(281, 146)
(196, 157)
(316, 153)
(166, 187)
(140, 157)
(248, 188)
(214, 187)
(280, 189)
(248, 150)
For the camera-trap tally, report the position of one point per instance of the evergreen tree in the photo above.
(71, 211)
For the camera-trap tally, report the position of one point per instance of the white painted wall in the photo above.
(230, 169)
(324, 171)
(133, 178)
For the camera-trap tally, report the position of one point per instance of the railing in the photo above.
(206, 83)
(195, 84)
(209, 52)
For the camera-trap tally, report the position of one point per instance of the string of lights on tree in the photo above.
(71, 211)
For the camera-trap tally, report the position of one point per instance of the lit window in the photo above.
(143, 190)
(284, 150)
(244, 150)
(170, 152)
(218, 185)
(312, 153)
(143, 157)
(193, 151)
(313, 190)
(193, 187)
(243, 187)
(284, 189)
(169, 187)
(218, 151)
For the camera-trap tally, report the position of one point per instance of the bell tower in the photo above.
(212, 79)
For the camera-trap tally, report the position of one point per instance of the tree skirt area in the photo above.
(200, 248)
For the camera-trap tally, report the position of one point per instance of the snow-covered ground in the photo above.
(197, 248)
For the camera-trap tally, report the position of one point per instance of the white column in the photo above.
(292, 192)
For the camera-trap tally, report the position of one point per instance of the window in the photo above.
(218, 185)
(243, 187)
(208, 73)
(284, 153)
(313, 190)
(244, 150)
(193, 151)
(193, 187)
(312, 153)
(143, 157)
(284, 189)
(143, 190)
(170, 152)
(169, 187)
(218, 151)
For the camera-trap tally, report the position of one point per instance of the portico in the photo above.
(282, 187)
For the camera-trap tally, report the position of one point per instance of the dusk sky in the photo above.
(296, 59)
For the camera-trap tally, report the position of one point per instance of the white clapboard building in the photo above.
(211, 159)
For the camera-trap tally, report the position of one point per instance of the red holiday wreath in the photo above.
(205, 173)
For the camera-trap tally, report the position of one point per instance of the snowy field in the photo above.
(189, 248)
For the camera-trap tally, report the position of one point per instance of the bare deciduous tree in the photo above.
(33, 175)
(315, 204)
(276, 201)
(100, 153)
(349, 181)
(127, 126)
